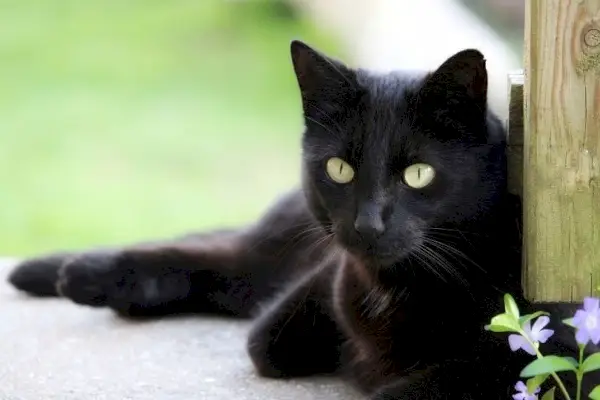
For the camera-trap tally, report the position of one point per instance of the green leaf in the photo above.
(591, 363)
(498, 328)
(546, 365)
(595, 393)
(504, 323)
(569, 322)
(549, 395)
(572, 361)
(529, 317)
(510, 306)
(536, 382)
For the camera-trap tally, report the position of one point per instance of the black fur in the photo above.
(387, 285)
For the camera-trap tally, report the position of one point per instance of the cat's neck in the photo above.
(467, 262)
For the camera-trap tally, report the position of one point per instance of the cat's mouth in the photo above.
(376, 259)
(381, 253)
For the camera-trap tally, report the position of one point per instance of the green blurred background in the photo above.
(131, 120)
(127, 120)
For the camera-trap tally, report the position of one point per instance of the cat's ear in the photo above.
(321, 79)
(463, 75)
(459, 86)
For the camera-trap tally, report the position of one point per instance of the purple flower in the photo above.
(523, 393)
(587, 321)
(535, 335)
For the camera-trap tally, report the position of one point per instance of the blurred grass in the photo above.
(138, 119)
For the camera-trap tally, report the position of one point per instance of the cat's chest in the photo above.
(366, 311)
(393, 323)
(375, 322)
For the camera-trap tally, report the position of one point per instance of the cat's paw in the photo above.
(37, 276)
(120, 280)
(89, 278)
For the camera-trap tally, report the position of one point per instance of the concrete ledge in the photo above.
(54, 350)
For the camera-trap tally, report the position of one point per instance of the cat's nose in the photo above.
(369, 225)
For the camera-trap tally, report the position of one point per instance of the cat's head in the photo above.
(391, 159)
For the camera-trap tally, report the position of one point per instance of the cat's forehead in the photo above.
(387, 119)
(389, 86)
(387, 97)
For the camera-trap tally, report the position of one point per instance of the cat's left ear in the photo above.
(460, 83)
(322, 80)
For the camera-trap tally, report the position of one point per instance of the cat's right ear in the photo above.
(320, 78)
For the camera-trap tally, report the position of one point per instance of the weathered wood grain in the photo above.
(561, 146)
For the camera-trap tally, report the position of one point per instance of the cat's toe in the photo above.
(87, 279)
(118, 280)
(37, 276)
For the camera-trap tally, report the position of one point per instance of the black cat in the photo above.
(384, 267)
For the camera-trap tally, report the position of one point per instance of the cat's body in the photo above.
(385, 277)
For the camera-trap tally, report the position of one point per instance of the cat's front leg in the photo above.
(223, 272)
(203, 274)
(454, 380)
(421, 387)
(296, 335)
(165, 278)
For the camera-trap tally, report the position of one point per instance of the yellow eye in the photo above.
(418, 176)
(339, 170)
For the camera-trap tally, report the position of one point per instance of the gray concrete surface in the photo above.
(52, 349)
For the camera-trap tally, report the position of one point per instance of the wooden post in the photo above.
(561, 148)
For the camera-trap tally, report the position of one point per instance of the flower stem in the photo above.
(560, 384)
(580, 372)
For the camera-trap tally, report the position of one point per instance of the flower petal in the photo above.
(540, 323)
(579, 318)
(594, 335)
(516, 342)
(521, 387)
(582, 336)
(591, 304)
(544, 335)
(527, 347)
(520, 396)
(527, 327)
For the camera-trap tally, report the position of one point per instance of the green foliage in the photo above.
(568, 322)
(503, 323)
(546, 365)
(527, 337)
(536, 382)
(595, 393)
(591, 363)
(549, 395)
(529, 317)
(507, 321)
(510, 306)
